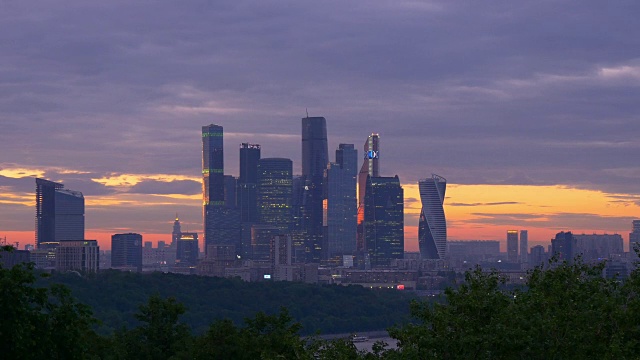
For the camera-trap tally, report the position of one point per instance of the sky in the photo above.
(529, 109)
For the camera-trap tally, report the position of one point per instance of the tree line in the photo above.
(568, 311)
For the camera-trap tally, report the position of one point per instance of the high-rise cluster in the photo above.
(319, 212)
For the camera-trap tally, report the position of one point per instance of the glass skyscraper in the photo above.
(275, 193)
(341, 203)
(59, 214)
(247, 193)
(384, 220)
(432, 227)
(370, 167)
(126, 250)
(315, 158)
(221, 222)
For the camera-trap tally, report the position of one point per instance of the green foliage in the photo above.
(115, 296)
(41, 323)
(567, 312)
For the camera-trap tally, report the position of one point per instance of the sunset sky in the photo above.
(529, 109)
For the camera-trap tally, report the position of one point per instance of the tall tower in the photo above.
(175, 234)
(432, 228)
(384, 220)
(275, 193)
(126, 251)
(315, 157)
(221, 222)
(512, 245)
(247, 193)
(342, 203)
(524, 246)
(370, 167)
(59, 214)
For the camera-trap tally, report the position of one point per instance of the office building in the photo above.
(634, 238)
(247, 193)
(126, 251)
(342, 204)
(564, 246)
(384, 220)
(77, 255)
(524, 246)
(537, 256)
(370, 167)
(59, 214)
(187, 250)
(594, 247)
(432, 227)
(230, 184)
(315, 157)
(298, 233)
(512, 246)
(222, 224)
(274, 195)
(261, 238)
(9, 259)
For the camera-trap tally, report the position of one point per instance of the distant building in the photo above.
(221, 222)
(473, 248)
(512, 246)
(9, 259)
(126, 251)
(524, 246)
(564, 246)
(230, 184)
(432, 227)
(537, 256)
(275, 176)
(247, 192)
(634, 237)
(593, 247)
(341, 204)
(261, 237)
(187, 250)
(384, 220)
(78, 255)
(59, 214)
(315, 157)
(370, 167)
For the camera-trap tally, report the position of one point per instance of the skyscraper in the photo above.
(370, 167)
(59, 214)
(221, 222)
(230, 184)
(315, 157)
(126, 250)
(247, 193)
(432, 227)
(512, 245)
(175, 234)
(275, 192)
(342, 204)
(187, 250)
(384, 220)
(564, 246)
(524, 246)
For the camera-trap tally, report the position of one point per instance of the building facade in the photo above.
(275, 186)
(384, 220)
(78, 255)
(59, 214)
(187, 250)
(432, 226)
(247, 193)
(634, 238)
(512, 246)
(370, 167)
(564, 246)
(126, 251)
(341, 203)
(524, 246)
(315, 157)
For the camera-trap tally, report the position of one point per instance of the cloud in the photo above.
(485, 204)
(186, 187)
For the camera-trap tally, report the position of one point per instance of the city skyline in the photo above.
(528, 111)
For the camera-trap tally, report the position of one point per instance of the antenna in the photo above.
(307, 110)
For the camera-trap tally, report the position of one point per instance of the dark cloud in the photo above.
(186, 187)
(480, 93)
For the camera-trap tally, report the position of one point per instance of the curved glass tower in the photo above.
(432, 229)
